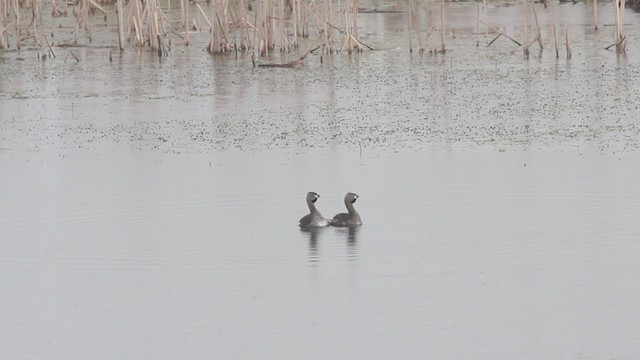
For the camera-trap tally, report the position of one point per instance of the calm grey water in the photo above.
(149, 208)
(462, 255)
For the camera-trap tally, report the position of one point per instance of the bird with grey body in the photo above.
(314, 218)
(351, 218)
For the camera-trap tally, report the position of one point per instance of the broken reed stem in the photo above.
(204, 15)
(500, 33)
(74, 56)
(49, 46)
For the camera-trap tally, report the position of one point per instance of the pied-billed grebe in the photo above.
(350, 219)
(314, 218)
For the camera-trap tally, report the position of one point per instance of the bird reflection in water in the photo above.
(313, 233)
(350, 234)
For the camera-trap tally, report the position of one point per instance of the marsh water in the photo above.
(149, 206)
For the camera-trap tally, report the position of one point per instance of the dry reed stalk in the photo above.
(623, 41)
(354, 12)
(271, 25)
(409, 32)
(535, 17)
(619, 36)
(567, 42)
(413, 12)
(96, 6)
(204, 15)
(283, 47)
(38, 33)
(305, 19)
(153, 27)
(55, 12)
(134, 19)
(443, 46)
(525, 20)
(4, 36)
(263, 31)
(484, 8)
(49, 46)
(478, 17)
(295, 16)
(120, 21)
(184, 6)
(245, 42)
(595, 14)
(554, 27)
(328, 30)
(81, 11)
(220, 42)
(351, 41)
(16, 11)
(215, 43)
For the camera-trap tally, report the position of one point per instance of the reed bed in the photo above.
(260, 28)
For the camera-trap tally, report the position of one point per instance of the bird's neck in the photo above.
(350, 207)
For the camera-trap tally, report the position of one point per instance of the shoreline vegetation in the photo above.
(262, 27)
